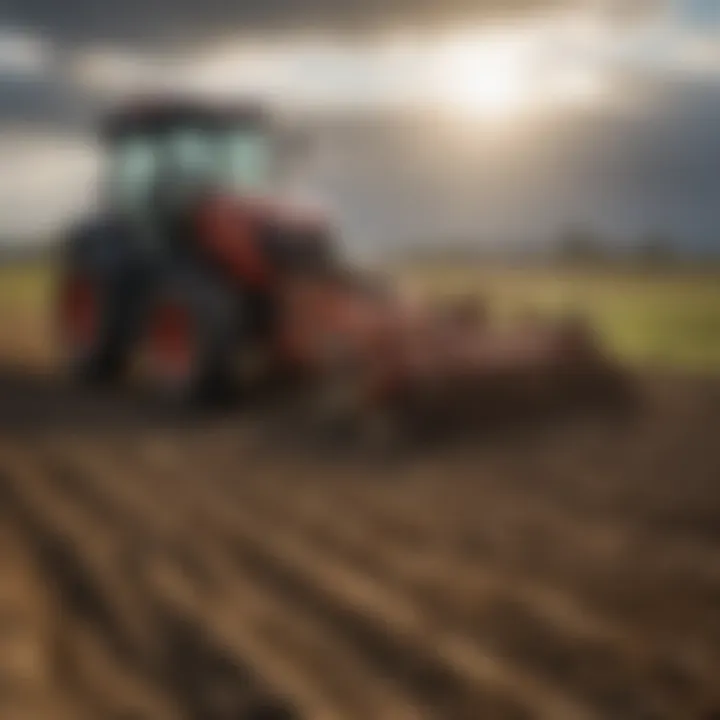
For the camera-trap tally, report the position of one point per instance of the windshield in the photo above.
(237, 160)
(248, 159)
(133, 173)
(189, 160)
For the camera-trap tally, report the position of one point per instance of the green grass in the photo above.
(661, 320)
(25, 289)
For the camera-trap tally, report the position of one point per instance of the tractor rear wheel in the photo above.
(188, 342)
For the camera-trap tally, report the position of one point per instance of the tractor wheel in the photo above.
(90, 334)
(187, 347)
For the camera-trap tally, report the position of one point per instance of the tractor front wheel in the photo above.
(187, 348)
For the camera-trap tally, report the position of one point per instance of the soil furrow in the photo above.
(386, 624)
(84, 574)
(563, 643)
(334, 660)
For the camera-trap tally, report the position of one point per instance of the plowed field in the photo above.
(152, 569)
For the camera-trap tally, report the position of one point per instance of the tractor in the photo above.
(177, 272)
(198, 272)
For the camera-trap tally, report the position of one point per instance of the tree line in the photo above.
(576, 246)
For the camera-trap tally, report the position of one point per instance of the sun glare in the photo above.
(484, 76)
(504, 74)
(508, 75)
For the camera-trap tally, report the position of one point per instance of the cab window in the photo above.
(247, 159)
(132, 172)
(192, 156)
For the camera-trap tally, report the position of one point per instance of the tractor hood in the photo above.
(294, 236)
(269, 234)
(287, 213)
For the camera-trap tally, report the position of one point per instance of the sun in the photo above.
(484, 76)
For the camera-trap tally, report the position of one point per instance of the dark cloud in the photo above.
(151, 20)
(48, 99)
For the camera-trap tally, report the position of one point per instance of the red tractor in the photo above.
(195, 269)
(183, 264)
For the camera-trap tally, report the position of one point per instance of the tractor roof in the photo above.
(160, 116)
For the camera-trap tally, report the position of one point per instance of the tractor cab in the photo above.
(162, 157)
(172, 164)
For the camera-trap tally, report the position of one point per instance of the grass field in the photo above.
(668, 320)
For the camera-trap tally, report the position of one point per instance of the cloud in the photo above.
(155, 20)
(23, 54)
(47, 179)
(539, 60)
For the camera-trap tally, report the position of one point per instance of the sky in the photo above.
(458, 121)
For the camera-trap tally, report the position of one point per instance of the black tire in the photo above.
(101, 356)
(212, 312)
